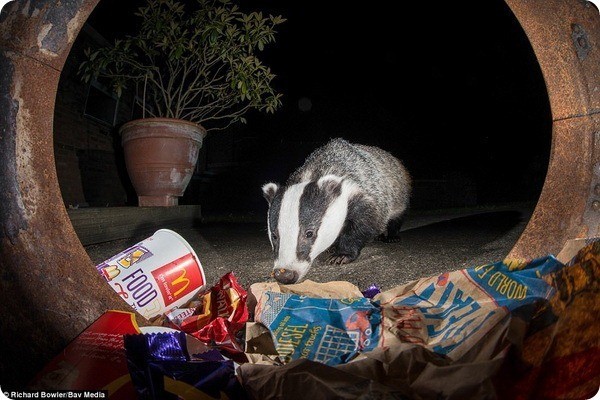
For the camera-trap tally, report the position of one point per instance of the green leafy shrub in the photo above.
(198, 65)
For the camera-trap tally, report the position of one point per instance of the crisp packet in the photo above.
(331, 331)
(161, 367)
(215, 316)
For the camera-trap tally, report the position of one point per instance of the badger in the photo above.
(342, 197)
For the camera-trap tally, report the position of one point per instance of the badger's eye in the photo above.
(309, 233)
(274, 236)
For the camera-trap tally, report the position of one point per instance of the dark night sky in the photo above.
(453, 89)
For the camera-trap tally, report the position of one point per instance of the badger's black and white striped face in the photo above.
(304, 220)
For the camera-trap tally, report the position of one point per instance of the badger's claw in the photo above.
(339, 259)
(388, 239)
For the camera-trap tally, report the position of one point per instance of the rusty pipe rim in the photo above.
(36, 231)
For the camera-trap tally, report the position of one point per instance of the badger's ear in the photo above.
(269, 191)
(330, 183)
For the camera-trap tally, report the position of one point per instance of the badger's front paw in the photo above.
(340, 259)
(388, 239)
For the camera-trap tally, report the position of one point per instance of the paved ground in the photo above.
(431, 243)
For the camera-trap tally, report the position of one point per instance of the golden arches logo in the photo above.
(178, 278)
(181, 280)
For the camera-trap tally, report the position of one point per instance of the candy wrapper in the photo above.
(215, 316)
(163, 367)
(371, 291)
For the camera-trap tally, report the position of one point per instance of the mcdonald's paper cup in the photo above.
(156, 275)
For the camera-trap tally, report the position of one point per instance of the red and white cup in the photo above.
(155, 275)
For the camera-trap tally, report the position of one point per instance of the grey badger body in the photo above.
(343, 196)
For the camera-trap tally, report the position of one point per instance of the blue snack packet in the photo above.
(331, 331)
(162, 368)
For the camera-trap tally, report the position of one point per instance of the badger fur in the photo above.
(343, 196)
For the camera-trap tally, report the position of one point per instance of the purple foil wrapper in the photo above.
(210, 355)
(371, 291)
(167, 346)
(161, 368)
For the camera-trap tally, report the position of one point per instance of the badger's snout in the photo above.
(285, 276)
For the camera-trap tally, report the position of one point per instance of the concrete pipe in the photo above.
(49, 289)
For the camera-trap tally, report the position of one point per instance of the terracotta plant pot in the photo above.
(160, 155)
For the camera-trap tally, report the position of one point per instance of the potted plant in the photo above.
(193, 69)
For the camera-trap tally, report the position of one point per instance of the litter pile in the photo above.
(513, 329)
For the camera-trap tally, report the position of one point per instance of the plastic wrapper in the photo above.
(259, 340)
(330, 331)
(215, 316)
(371, 291)
(162, 367)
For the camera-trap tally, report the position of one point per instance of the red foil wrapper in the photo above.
(216, 315)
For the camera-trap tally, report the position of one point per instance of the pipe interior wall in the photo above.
(49, 289)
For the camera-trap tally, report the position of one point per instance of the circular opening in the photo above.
(458, 96)
(46, 220)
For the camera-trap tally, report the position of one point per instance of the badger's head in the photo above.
(304, 220)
